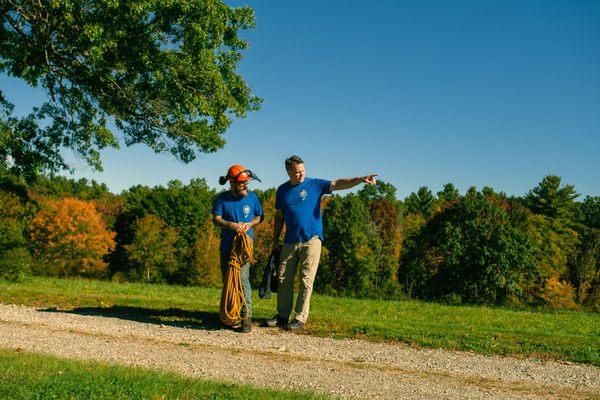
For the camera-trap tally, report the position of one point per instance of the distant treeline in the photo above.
(480, 247)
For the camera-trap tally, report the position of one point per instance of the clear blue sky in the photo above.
(496, 93)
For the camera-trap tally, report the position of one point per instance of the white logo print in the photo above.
(246, 210)
(303, 194)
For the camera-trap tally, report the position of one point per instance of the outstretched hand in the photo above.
(370, 179)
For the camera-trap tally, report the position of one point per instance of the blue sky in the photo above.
(496, 93)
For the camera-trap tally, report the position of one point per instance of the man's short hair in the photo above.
(291, 161)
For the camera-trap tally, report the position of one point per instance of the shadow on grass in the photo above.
(174, 317)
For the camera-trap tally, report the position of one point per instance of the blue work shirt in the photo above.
(236, 209)
(301, 206)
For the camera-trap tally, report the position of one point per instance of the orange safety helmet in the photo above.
(237, 173)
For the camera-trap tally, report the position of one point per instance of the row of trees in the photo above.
(164, 74)
(479, 247)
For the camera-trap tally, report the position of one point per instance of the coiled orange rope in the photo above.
(232, 295)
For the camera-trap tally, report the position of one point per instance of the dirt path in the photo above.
(269, 357)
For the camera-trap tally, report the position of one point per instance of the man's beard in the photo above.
(241, 192)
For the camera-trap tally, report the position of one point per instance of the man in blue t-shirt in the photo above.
(298, 206)
(237, 211)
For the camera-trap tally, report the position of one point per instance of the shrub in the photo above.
(557, 294)
(15, 264)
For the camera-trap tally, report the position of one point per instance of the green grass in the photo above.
(563, 335)
(33, 376)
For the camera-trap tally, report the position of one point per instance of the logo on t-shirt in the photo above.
(303, 194)
(246, 211)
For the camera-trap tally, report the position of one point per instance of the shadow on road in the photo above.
(174, 317)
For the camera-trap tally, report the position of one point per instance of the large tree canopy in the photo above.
(162, 72)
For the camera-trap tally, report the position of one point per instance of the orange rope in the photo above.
(232, 295)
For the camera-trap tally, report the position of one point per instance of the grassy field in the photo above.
(562, 335)
(32, 376)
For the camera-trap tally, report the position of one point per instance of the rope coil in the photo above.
(232, 295)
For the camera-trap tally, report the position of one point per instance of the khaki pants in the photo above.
(303, 257)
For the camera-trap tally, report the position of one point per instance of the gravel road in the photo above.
(350, 369)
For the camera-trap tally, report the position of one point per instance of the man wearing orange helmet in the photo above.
(237, 211)
(298, 206)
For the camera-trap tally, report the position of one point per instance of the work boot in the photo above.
(295, 325)
(276, 321)
(246, 325)
(236, 325)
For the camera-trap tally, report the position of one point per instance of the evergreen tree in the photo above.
(448, 193)
(550, 199)
(421, 202)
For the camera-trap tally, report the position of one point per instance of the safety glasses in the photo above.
(246, 171)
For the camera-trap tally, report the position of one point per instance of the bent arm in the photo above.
(234, 226)
(255, 221)
(347, 183)
(221, 223)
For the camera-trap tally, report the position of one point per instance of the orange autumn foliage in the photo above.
(70, 237)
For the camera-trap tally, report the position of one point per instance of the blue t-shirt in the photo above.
(301, 206)
(236, 209)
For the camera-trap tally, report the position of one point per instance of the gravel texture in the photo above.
(281, 360)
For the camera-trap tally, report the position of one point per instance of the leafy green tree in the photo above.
(448, 193)
(388, 244)
(410, 278)
(589, 211)
(585, 267)
(554, 245)
(15, 260)
(201, 264)
(490, 192)
(349, 237)
(184, 207)
(153, 249)
(471, 191)
(25, 148)
(421, 202)
(12, 215)
(380, 191)
(162, 72)
(550, 199)
(470, 252)
(56, 186)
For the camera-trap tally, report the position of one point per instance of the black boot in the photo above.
(295, 325)
(276, 321)
(246, 325)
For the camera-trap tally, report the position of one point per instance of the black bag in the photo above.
(270, 279)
